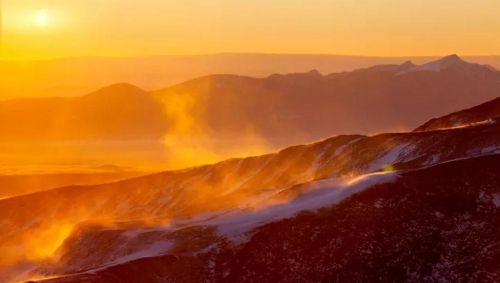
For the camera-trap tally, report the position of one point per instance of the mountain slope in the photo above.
(438, 224)
(448, 62)
(120, 124)
(211, 217)
(13, 185)
(117, 112)
(479, 114)
(107, 227)
(78, 76)
(278, 111)
(211, 118)
(214, 117)
(377, 99)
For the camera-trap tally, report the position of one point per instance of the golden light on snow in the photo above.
(388, 168)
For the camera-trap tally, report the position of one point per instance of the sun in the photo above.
(41, 18)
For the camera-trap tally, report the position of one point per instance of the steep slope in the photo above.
(112, 227)
(479, 114)
(378, 99)
(82, 229)
(273, 112)
(215, 117)
(437, 224)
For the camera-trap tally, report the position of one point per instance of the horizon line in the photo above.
(5, 60)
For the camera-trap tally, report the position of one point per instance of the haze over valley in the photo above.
(213, 117)
(249, 141)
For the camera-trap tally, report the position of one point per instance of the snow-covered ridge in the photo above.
(488, 112)
(442, 64)
(460, 125)
(315, 195)
(239, 194)
(235, 223)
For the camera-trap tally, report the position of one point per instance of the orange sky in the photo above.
(153, 27)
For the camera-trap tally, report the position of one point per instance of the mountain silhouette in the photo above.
(117, 112)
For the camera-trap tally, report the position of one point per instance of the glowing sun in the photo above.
(41, 18)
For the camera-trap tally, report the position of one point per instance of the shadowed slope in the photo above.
(478, 114)
(141, 213)
(437, 224)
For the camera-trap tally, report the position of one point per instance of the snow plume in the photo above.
(314, 195)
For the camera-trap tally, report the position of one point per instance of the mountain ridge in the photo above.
(79, 76)
(382, 207)
(223, 210)
(236, 115)
(476, 114)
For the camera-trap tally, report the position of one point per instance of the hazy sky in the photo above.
(61, 28)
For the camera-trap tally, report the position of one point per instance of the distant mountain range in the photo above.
(294, 108)
(78, 76)
(222, 112)
(419, 206)
(115, 113)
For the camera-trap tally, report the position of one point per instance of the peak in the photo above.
(314, 73)
(451, 58)
(117, 90)
(448, 62)
(408, 63)
(121, 87)
(391, 67)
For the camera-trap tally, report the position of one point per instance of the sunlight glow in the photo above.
(381, 28)
(41, 18)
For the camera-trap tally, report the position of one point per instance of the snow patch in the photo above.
(433, 159)
(496, 199)
(435, 66)
(390, 157)
(485, 150)
(319, 161)
(153, 250)
(490, 149)
(322, 193)
(460, 125)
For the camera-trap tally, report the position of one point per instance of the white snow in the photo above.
(315, 195)
(460, 125)
(435, 66)
(390, 157)
(155, 249)
(318, 194)
(490, 149)
(485, 150)
(433, 159)
(319, 160)
(496, 199)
